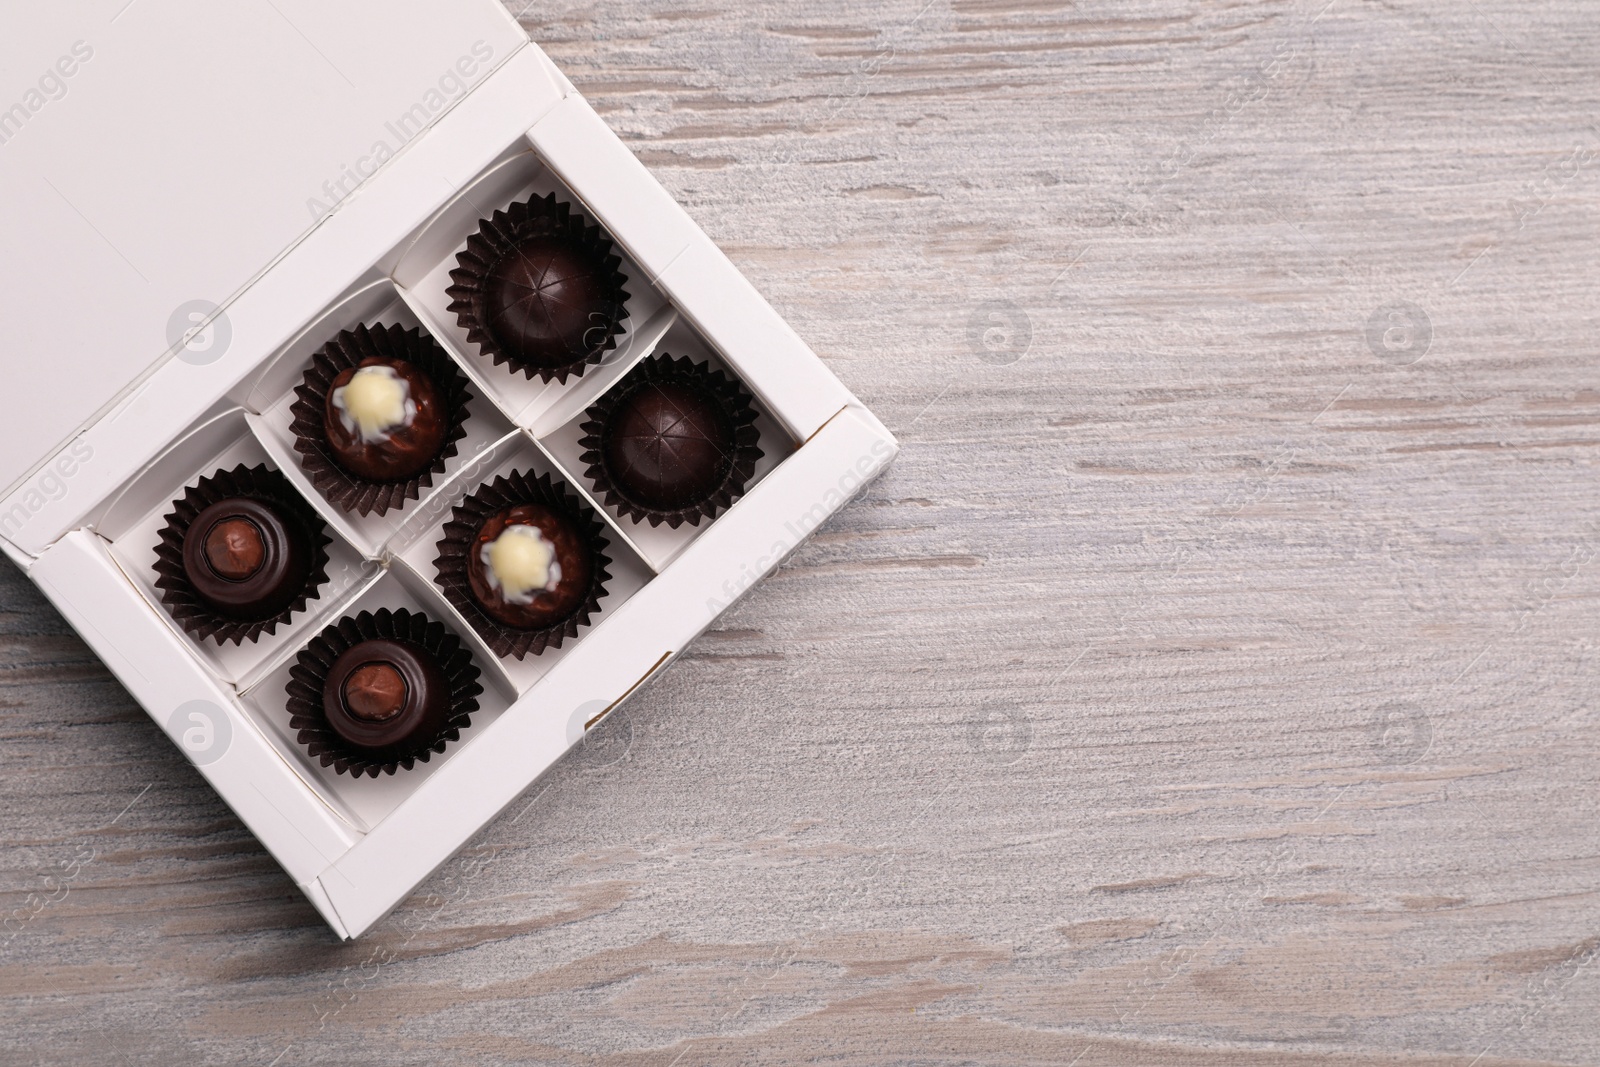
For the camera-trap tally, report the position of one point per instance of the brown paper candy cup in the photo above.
(310, 673)
(348, 349)
(498, 238)
(728, 392)
(508, 491)
(178, 594)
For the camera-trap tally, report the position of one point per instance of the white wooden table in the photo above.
(1211, 682)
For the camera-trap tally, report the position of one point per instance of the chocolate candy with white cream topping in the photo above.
(529, 567)
(384, 420)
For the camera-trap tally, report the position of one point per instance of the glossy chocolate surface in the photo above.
(667, 446)
(247, 559)
(405, 450)
(545, 303)
(387, 698)
(235, 549)
(572, 553)
(375, 692)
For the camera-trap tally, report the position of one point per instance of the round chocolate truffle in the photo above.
(247, 559)
(545, 302)
(386, 698)
(384, 420)
(668, 445)
(529, 567)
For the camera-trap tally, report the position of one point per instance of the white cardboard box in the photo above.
(198, 197)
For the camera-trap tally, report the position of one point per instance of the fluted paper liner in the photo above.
(177, 592)
(498, 237)
(507, 491)
(348, 349)
(310, 673)
(737, 404)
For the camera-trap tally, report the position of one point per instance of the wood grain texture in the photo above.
(1209, 683)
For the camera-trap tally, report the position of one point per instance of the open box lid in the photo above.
(157, 156)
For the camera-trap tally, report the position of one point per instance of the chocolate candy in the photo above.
(380, 691)
(540, 289)
(543, 301)
(505, 566)
(386, 699)
(248, 559)
(384, 420)
(668, 445)
(674, 442)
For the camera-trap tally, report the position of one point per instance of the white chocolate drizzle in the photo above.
(373, 402)
(521, 564)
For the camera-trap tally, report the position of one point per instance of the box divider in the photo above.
(580, 486)
(601, 379)
(108, 513)
(448, 493)
(292, 755)
(317, 621)
(464, 193)
(255, 400)
(468, 364)
(288, 463)
(422, 587)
